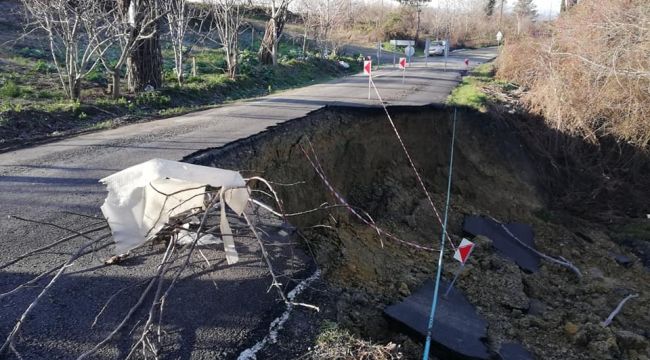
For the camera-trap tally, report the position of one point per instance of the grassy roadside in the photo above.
(469, 92)
(31, 110)
(33, 107)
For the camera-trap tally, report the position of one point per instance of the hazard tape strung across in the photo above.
(319, 170)
(434, 303)
(417, 174)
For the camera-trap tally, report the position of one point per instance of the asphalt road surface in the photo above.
(217, 310)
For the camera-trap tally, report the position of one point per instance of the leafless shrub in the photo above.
(591, 77)
(228, 19)
(326, 21)
(268, 53)
(127, 25)
(181, 15)
(76, 35)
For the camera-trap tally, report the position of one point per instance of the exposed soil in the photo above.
(552, 313)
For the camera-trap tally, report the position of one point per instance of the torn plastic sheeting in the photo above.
(142, 197)
(186, 237)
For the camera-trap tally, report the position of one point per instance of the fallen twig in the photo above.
(60, 241)
(617, 310)
(561, 261)
(31, 306)
(134, 308)
(30, 282)
(265, 255)
(110, 299)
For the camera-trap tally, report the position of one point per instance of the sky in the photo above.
(545, 8)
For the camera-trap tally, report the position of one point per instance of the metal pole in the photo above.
(378, 55)
(369, 75)
(432, 314)
(462, 266)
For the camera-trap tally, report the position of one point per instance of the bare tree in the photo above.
(524, 10)
(325, 19)
(76, 34)
(145, 60)
(489, 7)
(567, 4)
(228, 19)
(180, 17)
(417, 6)
(268, 52)
(127, 25)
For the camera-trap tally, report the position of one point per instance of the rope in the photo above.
(369, 221)
(434, 303)
(408, 156)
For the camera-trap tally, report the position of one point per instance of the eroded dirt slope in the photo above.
(552, 312)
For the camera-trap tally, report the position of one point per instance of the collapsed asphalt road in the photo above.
(215, 313)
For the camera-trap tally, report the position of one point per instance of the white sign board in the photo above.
(367, 67)
(499, 37)
(402, 42)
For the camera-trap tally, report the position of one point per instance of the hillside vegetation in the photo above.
(33, 104)
(589, 74)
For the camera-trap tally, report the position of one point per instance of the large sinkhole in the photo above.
(495, 175)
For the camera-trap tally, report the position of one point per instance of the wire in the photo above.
(408, 156)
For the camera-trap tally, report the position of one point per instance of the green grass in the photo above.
(62, 106)
(102, 125)
(10, 90)
(469, 93)
(154, 99)
(175, 111)
(42, 67)
(32, 102)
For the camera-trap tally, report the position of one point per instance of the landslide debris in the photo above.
(552, 313)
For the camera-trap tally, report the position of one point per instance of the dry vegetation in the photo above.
(590, 75)
(335, 343)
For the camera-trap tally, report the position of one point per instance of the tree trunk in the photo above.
(116, 84)
(179, 69)
(233, 66)
(75, 89)
(417, 27)
(146, 57)
(267, 54)
(146, 64)
(567, 4)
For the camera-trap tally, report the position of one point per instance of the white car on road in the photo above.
(437, 47)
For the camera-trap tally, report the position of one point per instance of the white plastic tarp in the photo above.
(142, 198)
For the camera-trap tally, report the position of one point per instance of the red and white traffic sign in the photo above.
(367, 67)
(402, 63)
(464, 250)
